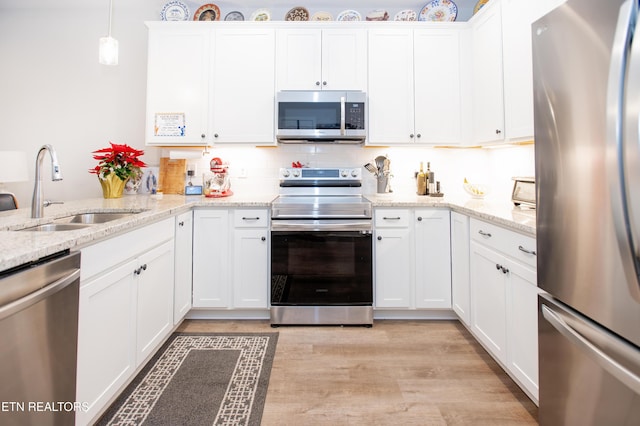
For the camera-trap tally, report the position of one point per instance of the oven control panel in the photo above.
(308, 173)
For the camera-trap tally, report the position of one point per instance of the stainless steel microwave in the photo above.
(321, 116)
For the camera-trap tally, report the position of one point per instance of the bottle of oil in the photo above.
(431, 180)
(421, 181)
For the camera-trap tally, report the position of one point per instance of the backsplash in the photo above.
(255, 170)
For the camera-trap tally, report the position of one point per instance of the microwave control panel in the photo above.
(354, 115)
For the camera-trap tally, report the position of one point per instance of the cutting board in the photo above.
(172, 175)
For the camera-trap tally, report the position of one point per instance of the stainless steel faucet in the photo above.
(37, 202)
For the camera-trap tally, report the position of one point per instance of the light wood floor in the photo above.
(396, 373)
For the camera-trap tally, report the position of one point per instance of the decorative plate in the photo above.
(234, 16)
(297, 14)
(479, 5)
(377, 15)
(439, 10)
(322, 16)
(406, 15)
(261, 15)
(175, 11)
(207, 12)
(349, 15)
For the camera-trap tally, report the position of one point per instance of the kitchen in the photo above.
(117, 98)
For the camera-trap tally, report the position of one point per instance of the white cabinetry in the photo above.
(183, 263)
(211, 258)
(504, 300)
(178, 86)
(243, 81)
(251, 258)
(460, 266)
(125, 311)
(412, 98)
(393, 253)
(207, 86)
(321, 59)
(433, 259)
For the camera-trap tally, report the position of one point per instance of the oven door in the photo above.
(321, 268)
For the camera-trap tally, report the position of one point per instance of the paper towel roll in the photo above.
(184, 154)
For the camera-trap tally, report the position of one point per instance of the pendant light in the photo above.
(108, 53)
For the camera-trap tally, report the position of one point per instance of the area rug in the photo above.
(200, 379)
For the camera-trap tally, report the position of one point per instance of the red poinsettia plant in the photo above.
(121, 160)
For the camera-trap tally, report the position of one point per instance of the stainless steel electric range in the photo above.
(321, 249)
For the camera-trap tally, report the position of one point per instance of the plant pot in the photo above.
(112, 186)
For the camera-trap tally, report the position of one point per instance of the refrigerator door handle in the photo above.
(616, 89)
(617, 347)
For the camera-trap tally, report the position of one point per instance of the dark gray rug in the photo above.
(200, 379)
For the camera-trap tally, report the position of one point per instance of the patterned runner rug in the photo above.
(200, 379)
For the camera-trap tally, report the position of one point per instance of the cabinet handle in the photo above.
(203, 136)
(324, 83)
(418, 135)
(411, 135)
(379, 238)
(498, 267)
(504, 270)
(139, 270)
(181, 223)
(419, 218)
(215, 135)
(532, 252)
(391, 218)
(264, 238)
(317, 83)
(498, 131)
(484, 234)
(251, 218)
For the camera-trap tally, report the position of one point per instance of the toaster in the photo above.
(524, 191)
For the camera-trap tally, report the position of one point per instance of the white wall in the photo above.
(52, 90)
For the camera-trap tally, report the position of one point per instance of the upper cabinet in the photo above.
(321, 59)
(207, 86)
(415, 86)
(178, 86)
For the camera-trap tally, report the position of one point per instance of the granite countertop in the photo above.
(17, 248)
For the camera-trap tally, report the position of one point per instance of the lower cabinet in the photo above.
(231, 258)
(504, 297)
(183, 266)
(412, 259)
(460, 291)
(125, 311)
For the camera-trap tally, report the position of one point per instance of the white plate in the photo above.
(175, 11)
(261, 15)
(349, 15)
(322, 16)
(439, 11)
(406, 15)
(377, 15)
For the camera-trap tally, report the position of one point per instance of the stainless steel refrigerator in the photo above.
(587, 104)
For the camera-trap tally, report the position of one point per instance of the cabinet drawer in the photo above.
(391, 218)
(251, 218)
(513, 244)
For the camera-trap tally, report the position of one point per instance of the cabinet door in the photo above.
(178, 87)
(344, 59)
(460, 266)
(155, 299)
(522, 326)
(488, 101)
(182, 265)
(211, 259)
(106, 338)
(438, 106)
(390, 94)
(433, 259)
(488, 298)
(299, 53)
(243, 81)
(250, 268)
(393, 267)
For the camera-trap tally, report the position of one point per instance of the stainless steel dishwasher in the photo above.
(39, 340)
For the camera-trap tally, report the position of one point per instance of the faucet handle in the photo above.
(47, 203)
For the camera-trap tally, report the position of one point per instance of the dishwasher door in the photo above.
(38, 341)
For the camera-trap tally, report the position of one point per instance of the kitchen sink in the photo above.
(92, 218)
(50, 227)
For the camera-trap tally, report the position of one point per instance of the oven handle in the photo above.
(314, 225)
